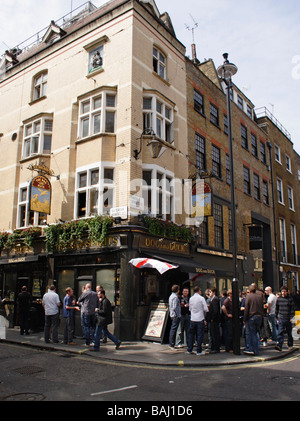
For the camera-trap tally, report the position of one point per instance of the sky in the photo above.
(262, 38)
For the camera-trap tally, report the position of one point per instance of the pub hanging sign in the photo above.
(40, 194)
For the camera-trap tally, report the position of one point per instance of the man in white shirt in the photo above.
(198, 309)
(51, 304)
(271, 306)
(175, 313)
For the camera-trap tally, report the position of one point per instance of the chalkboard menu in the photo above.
(156, 321)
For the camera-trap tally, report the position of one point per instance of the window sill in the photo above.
(35, 101)
(93, 137)
(161, 78)
(199, 112)
(214, 124)
(38, 155)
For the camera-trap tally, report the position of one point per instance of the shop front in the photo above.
(32, 272)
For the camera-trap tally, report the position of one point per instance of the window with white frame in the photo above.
(277, 153)
(158, 192)
(95, 190)
(40, 85)
(291, 198)
(288, 163)
(97, 114)
(26, 217)
(294, 244)
(282, 239)
(159, 63)
(37, 137)
(279, 191)
(159, 117)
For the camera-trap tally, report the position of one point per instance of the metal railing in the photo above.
(264, 112)
(70, 18)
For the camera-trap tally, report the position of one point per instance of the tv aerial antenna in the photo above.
(192, 28)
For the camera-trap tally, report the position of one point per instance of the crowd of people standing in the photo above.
(264, 318)
(96, 315)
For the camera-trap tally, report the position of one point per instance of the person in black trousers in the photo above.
(24, 304)
(284, 313)
(214, 316)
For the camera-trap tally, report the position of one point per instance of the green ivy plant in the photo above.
(168, 229)
(76, 234)
(25, 237)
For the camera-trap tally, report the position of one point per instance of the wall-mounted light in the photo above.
(156, 146)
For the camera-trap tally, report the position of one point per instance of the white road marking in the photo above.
(114, 390)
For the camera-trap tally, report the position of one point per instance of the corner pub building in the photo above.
(81, 101)
(96, 107)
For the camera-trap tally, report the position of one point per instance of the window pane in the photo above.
(107, 200)
(147, 103)
(110, 100)
(36, 127)
(147, 176)
(81, 211)
(110, 122)
(94, 194)
(28, 130)
(48, 125)
(47, 143)
(85, 107)
(35, 144)
(108, 175)
(82, 180)
(22, 217)
(97, 102)
(94, 177)
(96, 124)
(85, 127)
(27, 148)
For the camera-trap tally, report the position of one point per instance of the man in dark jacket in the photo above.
(214, 316)
(104, 318)
(284, 313)
(88, 301)
(24, 304)
(253, 314)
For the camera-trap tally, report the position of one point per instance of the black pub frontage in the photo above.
(130, 290)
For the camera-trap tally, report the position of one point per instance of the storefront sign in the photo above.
(163, 245)
(40, 194)
(120, 212)
(156, 322)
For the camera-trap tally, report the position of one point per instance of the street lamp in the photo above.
(225, 72)
(157, 148)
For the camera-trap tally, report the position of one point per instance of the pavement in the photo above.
(149, 353)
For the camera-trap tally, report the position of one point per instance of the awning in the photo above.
(185, 264)
(157, 264)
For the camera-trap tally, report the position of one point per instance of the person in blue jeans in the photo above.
(104, 318)
(198, 309)
(284, 312)
(253, 314)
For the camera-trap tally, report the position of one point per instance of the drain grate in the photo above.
(29, 370)
(25, 397)
(286, 380)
